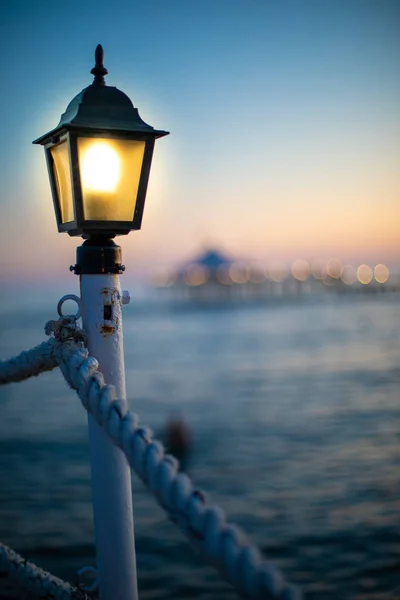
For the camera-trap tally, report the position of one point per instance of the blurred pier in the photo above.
(214, 277)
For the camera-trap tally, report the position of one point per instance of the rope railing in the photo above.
(29, 363)
(36, 581)
(221, 543)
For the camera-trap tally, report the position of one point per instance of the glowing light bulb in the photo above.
(100, 168)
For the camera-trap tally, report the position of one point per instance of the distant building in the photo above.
(213, 277)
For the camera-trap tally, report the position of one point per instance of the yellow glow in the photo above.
(110, 175)
(348, 275)
(300, 269)
(62, 176)
(364, 274)
(381, 273)
(100, 168)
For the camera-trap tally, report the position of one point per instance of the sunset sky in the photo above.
(284, 120)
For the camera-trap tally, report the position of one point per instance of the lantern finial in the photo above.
(99, 70)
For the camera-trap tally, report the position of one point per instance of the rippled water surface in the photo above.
(295, 414)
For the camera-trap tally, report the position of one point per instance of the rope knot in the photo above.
(65, 329)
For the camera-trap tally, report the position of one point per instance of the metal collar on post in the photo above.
(98, 256)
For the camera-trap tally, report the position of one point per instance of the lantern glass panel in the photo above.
(110, 172)
(62, 177)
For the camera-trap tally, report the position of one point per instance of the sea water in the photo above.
(294, 412)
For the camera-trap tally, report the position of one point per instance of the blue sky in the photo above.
(284, 120)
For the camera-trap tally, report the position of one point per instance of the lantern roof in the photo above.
(103, 107)
(211, 259)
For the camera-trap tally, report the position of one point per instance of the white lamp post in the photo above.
(99, 159)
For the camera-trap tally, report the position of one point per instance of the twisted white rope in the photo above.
(41, 358)
(36, 581)
(221, 543)
(29, 363)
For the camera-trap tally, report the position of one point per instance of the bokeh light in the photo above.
(348, 275)
(328, 280)
(364, 274)
(334, 268)
(381, 273)
(238, 272)
(164, 278)
(256, 272)
(196, 275)
(300, 269)
(278, 271)
(318, 268)
(223, 276)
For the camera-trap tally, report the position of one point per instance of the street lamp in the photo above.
(98, 159)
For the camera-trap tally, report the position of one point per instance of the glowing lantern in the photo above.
(99, 159)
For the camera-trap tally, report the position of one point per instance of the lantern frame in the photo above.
(99, 111)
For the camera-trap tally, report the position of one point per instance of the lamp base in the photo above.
(98, 255)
